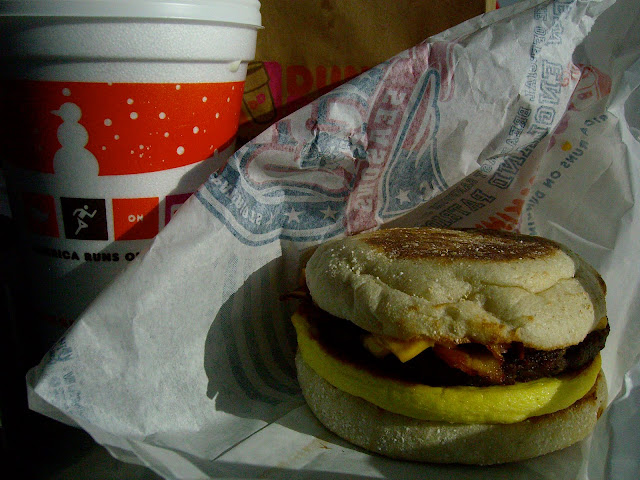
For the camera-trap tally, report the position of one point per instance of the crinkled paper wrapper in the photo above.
(522, 119)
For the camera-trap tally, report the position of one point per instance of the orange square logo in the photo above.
(135, 218)
(40, 214)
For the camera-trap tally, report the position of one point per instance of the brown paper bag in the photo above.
(309, 47)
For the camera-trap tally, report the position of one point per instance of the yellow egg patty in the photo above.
(458, 404)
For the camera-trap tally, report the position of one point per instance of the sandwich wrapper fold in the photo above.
(527, 118)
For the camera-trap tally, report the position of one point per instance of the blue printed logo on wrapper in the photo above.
(292, 181)
(414, 171)
(366, 153)
(402, 168)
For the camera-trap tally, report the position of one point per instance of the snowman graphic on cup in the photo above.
(72, 160)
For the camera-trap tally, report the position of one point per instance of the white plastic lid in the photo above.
(243, 12)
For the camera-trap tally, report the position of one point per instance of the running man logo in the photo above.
(84, 218)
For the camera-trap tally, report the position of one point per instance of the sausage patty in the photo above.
(517, 363)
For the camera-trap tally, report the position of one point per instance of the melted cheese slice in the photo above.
(405, 350)
(459, 404)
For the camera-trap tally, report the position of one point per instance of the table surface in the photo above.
(50, 450)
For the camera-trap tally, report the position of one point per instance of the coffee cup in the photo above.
(114, 112)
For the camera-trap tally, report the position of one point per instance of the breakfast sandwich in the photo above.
(452, 346)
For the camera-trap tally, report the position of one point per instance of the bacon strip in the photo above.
(481, 363)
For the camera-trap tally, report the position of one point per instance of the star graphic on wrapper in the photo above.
(293, 215)
(329, 213)
(403, 196)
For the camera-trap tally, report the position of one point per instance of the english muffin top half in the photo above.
(459, 286)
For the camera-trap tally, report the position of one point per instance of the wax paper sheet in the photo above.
(522, 119)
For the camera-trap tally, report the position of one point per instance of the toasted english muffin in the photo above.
(459, 286)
